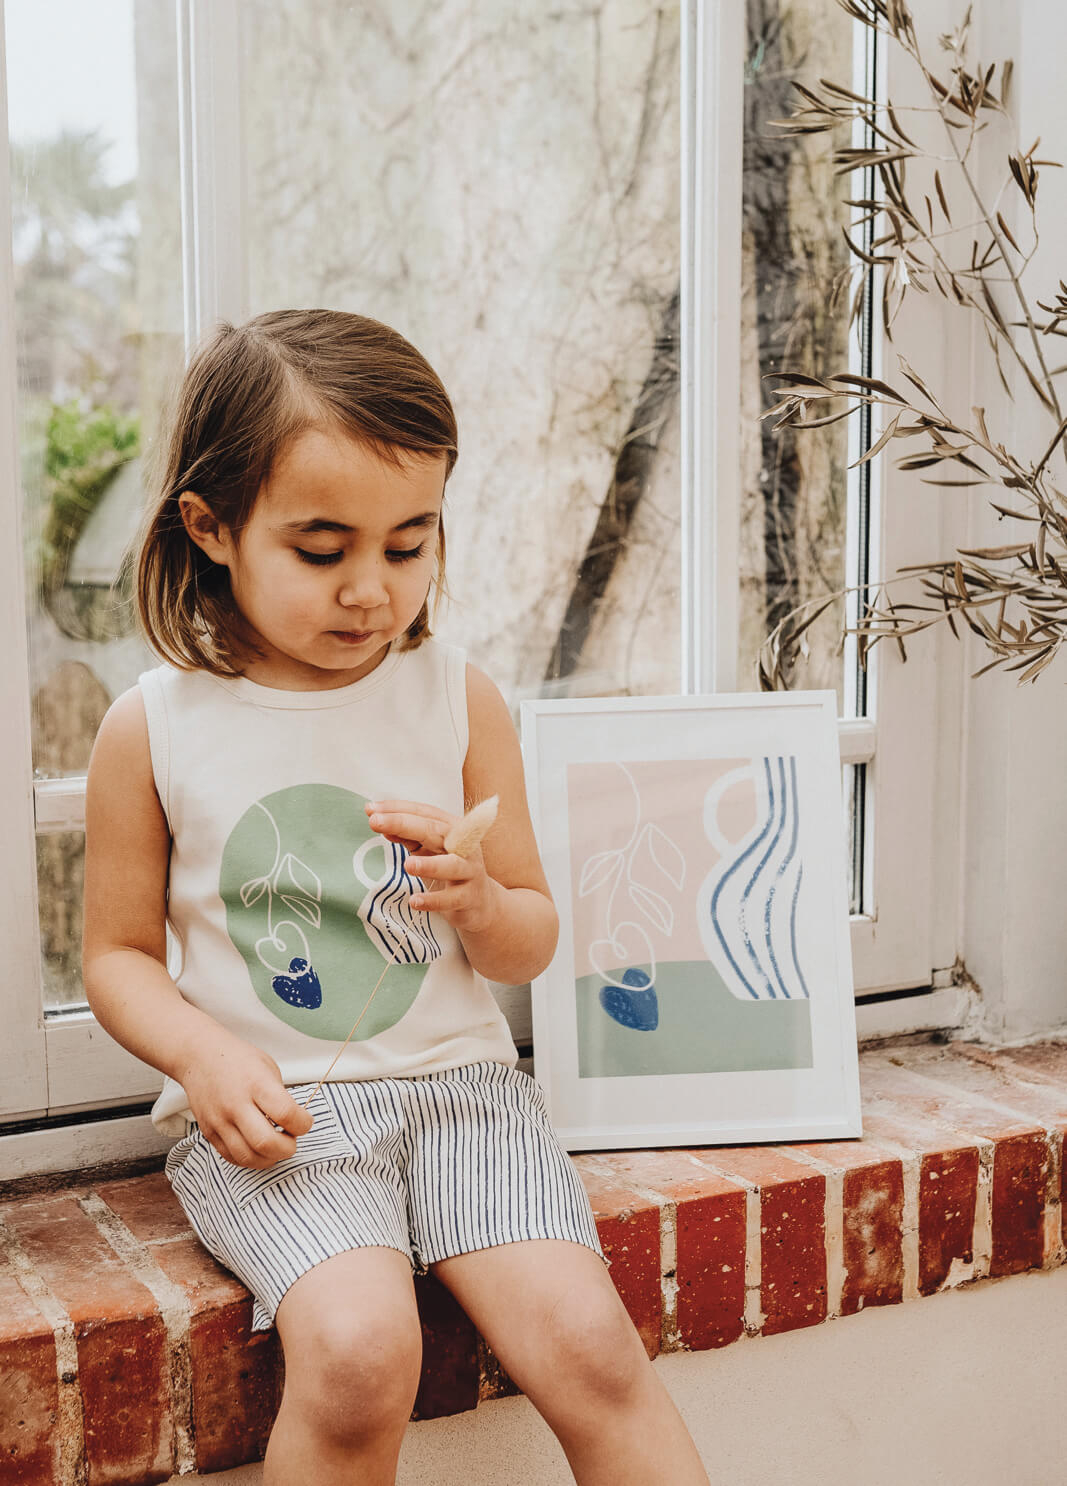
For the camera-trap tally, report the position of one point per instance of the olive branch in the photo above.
(1013, 596)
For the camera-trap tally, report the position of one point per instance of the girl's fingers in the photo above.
(422, 831)
(232, 1146)
(280, 1108)
(442, 868)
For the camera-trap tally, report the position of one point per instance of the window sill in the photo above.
(959, 1178)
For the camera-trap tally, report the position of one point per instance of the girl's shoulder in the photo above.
(121, 765)
(168, 680)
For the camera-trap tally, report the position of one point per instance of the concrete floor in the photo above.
(959, 1389)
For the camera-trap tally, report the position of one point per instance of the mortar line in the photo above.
(73, 1464)
(173, 1308)
(670, 1340)
(755, 1315)
(833, 1228)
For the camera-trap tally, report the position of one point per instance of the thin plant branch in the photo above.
(1013, 597)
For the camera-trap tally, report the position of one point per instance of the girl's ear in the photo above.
(204, 528)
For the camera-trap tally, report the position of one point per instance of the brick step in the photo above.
(126, 1354)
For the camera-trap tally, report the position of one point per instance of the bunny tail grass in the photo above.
(466, 834)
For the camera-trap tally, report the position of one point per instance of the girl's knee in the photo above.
(595, 1353)
(353, 1378)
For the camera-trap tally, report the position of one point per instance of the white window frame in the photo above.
(66, 1063)
(911, 929)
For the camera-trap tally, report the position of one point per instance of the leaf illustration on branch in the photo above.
(604, 867)
(253, 890)
(301, 876)
(665, 854)
(306, 907)
(655, 908)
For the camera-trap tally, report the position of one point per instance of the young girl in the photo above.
(279, 791)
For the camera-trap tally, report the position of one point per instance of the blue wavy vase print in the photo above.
(747, 907)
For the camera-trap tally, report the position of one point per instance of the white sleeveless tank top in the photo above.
(284, 903)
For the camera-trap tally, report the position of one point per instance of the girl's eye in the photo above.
(397, 554)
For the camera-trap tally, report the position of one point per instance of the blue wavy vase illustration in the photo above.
(747, 907)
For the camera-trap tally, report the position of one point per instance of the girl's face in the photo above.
(335, 560)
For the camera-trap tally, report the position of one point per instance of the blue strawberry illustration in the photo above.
(634, 1004)
(300, 987)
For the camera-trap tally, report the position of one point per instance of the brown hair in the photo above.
(246, 392)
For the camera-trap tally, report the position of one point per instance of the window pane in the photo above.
(505, 195)
(60, 880)
(98, 301)
(794, 486)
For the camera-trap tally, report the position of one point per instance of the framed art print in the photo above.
(701, 991)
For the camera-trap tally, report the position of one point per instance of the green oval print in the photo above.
(316, 905)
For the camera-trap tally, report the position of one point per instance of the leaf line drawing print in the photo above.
(295, 981)
(630, 998)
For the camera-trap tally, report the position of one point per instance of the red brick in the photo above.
(872, 1200)
(494, 1380)
(123, 1369)
(1020, 1161)
(997, 1080)
(148, 1207)
(948, 1186)
(236, 1373)
(1020, 1182)
(1004, 1081)
(450, 1372)
(710, 1227)
(1041, 1060)
(792, 1232)
(948, 1196)
(921, 1096)
(872, 1238)
(236, 1385)
(29, 1395)
(628, 1225)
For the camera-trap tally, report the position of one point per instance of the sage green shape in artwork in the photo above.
(286, 872)
(703, 1028)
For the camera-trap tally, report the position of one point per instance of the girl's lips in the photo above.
(352, 636)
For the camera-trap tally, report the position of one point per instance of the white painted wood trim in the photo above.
(86, 1066)
(912, 927)
(59, 804)
(24, 1083)
(210, 103)
(713, 53)
(75, 1147)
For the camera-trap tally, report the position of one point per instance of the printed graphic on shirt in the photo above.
(317, 906)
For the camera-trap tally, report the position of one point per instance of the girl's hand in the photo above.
(237, 1097)
(460, 889)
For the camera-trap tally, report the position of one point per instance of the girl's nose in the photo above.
(364, 588)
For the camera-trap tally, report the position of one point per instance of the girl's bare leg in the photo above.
(353, 1348)
(553, 1317)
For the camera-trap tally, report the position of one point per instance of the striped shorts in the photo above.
(434, 1165)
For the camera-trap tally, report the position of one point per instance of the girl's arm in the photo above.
(498, 901)
(234, 1090)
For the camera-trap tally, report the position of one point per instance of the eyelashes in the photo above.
(326, 559)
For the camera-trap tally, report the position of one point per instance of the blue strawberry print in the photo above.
(633, 1004)
(300, 987)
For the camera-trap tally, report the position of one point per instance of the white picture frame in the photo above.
(701, 992)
